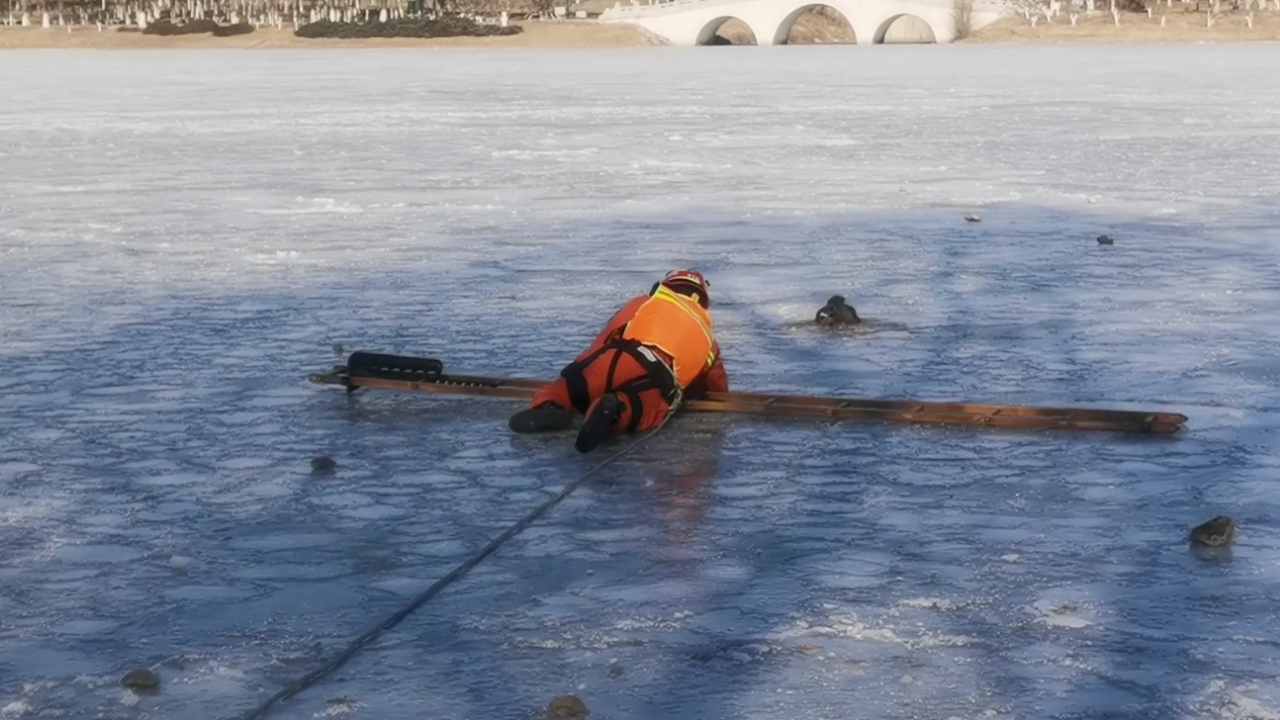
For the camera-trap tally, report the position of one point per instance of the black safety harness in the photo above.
(658, 377)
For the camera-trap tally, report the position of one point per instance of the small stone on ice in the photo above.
(323, 464)
(178, 562)
(566, 706)
(140, 679)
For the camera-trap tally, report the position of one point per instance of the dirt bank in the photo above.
(569, 34)
(1179, 27)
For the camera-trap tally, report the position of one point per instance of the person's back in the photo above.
(655, 349)
(679, 327)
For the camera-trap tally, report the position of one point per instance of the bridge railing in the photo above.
(643, 7)
(636, 7)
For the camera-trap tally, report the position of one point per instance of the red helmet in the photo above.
(689, 282)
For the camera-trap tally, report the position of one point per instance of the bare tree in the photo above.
(542, 8)
(1032, 10)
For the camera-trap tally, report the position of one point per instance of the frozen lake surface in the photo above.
(185, 235)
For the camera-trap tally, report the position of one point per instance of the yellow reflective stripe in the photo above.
(669, 296)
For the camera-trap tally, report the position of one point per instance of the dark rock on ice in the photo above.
(566, 706)
(323, 464)
(140, 679)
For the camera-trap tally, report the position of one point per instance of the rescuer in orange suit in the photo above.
(658, 348)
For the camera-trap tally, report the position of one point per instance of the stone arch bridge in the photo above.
(695, 22)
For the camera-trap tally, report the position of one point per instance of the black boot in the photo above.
(549, 416)
(601, 416)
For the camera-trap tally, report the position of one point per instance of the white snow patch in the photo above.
(850, 627)
(928, 603)
(311, 207)
(1058, 612)
(338, 708)
(17, 708)
(1251, 701)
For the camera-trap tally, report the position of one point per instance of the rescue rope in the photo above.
(364, 638)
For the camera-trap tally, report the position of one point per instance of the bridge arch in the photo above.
(905, 28)
(707, 36)
(783, 33)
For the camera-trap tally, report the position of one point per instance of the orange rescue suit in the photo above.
(679, 327)
(666, 324)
